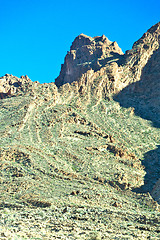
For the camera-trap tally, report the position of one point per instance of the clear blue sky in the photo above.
(35, 35)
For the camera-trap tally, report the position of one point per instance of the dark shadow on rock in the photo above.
(144, 97)
(3, 95)
(17, 84)
(142, 105)
(151, 162)
(80, 66)
(115, 57)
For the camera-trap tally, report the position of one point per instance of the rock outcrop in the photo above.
(14, 86)
(141, 74)
(10, 85)
(99, 64)
(97, 67)
(141, 52)
(88, 60)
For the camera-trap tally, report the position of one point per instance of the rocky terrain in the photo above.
(79, 158)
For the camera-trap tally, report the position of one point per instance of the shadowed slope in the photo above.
(144, 97)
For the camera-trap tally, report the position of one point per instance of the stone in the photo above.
(100, 68)
(86, 53)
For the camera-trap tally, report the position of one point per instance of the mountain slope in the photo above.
(78, 161)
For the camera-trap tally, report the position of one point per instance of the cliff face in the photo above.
(141, 72)
(97, 67)
(99, 64)
(87, 53)
(93, 65)
(143, 49)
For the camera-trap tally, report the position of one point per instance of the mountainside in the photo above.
(80, 157)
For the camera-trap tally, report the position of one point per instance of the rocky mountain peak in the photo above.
(86, 53)
(97, 66)
(99, 53)
(81, 40)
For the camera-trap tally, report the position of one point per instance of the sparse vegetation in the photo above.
(84, 160)
(80, 162)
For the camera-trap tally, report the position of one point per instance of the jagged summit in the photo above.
(82, 40)
(92, 58)
(87, 53)
(98, 67)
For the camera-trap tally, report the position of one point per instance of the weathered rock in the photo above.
(87, 53)
(143, 49)
(13, 86)
(10, 85)
(100, 68)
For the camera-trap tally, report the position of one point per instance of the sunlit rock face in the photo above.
(101, 61)
(86, 53)
(10, 85)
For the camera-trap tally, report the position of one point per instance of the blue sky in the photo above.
(35, 35)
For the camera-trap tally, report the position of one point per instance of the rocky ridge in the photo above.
(10, 85)
(87, 53)
(97, 67)
(97, 154)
